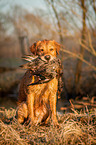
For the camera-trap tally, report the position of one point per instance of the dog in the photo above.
(37, 103)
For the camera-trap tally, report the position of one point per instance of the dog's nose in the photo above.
(47, 57)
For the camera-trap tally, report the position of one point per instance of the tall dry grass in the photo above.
(75, 129)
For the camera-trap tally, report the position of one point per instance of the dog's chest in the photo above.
(45, 89)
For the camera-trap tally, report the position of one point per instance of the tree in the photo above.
(83, 40)
(77, 17)
(51, 3)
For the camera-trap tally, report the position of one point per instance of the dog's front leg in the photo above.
(30, 103)
(53, 99)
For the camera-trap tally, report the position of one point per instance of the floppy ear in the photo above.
(33, 48)
(57, 45)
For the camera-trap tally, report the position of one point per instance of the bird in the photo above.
(43, 70)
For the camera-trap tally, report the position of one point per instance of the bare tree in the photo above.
(51, 3)
(79, 17)
(83, 38)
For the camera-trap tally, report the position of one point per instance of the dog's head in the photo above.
(46, 49)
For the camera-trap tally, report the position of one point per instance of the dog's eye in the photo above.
(51, 49)
(42, 50)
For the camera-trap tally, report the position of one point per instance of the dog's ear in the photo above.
(33, 48)
(57, 45)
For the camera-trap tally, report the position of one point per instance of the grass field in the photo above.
(78, 128)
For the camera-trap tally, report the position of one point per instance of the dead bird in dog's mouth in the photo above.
(44, 71)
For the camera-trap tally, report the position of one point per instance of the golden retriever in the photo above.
(38, 102)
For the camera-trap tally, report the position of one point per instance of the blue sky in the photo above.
(28, 4)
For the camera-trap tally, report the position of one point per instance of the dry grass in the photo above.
(75, 129)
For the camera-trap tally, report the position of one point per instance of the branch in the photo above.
(79, 57)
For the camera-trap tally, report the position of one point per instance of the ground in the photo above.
(77, 127)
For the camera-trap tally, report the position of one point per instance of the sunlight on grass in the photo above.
(74, 129)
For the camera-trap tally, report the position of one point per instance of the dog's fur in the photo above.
(37, 103)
